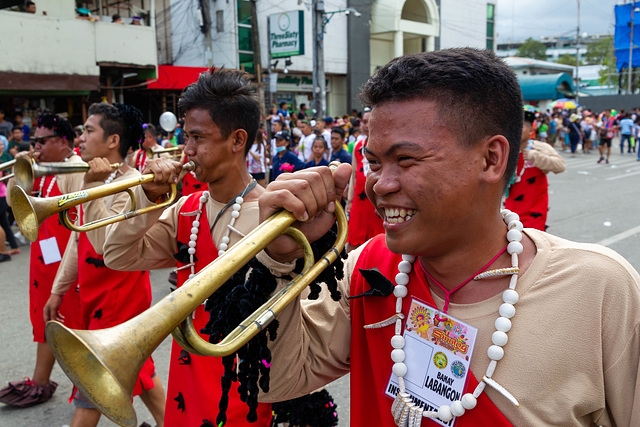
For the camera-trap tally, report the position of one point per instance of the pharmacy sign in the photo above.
(286, 34)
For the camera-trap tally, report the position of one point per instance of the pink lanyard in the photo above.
(448, 293)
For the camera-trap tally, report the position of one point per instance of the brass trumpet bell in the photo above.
(89, 352)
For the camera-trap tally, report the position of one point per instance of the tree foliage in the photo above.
(568, 59)
(533, 49)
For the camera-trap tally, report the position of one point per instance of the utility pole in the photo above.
(578, 57)
(319, 89)
(257, 60)
(633, 7)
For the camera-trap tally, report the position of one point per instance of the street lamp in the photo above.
(319, 19)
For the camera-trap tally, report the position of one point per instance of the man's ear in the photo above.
(240, 138)
(113, 141)
(496, 156)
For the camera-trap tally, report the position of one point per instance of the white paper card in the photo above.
(50, 251)
(438, 351)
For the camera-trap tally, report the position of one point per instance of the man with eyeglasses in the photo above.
(53, 143)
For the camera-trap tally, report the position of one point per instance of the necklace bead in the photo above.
(404, 411)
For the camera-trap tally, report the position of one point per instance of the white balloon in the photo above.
(168, 121)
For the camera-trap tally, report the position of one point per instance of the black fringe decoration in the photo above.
(235, 301)
(313, 410)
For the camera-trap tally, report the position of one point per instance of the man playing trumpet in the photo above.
(221, 121)
(107, 297)
(53, 143)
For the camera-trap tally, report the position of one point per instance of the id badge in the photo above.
(438, 351)
(50, 251)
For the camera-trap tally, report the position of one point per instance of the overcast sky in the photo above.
(521, 19)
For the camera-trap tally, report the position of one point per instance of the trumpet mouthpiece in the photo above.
(189, 166)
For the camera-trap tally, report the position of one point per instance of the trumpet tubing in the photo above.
(31, 211)
(7, 165)
(26, 171)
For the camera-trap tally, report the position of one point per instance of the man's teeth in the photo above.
(398, 215)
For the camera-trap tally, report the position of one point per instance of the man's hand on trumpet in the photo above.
(166, 172)
(100, 169)
(311, 195)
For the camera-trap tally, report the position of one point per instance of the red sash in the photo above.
(370, 348)
(194, 387)
(141, 159)
(364, 222)
(41, 276)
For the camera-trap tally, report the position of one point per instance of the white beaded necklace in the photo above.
(405, 412)
(113, 174)
(195, 227)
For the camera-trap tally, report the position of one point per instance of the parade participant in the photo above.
(107, 297)
(149, 144)
(306, 140)
(528, 193)
(338, 153)
(439, 187)
(317, 150)
(607, 130)
(364, 222)
(284, 160)
(221, 121)
(53, 139)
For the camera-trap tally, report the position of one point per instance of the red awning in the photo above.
(173, 77)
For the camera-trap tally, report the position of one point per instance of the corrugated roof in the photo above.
(546, 86)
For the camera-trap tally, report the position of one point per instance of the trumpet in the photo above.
(30, 212)
(27, 171)
(104, 364)
(151, 153)
(4, 166)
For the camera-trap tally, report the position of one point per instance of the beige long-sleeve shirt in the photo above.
(97, 209)
(573, 352)
(545, 157)
(148, 242)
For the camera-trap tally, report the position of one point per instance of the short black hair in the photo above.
(59, 125)
(339, 131)
(17, 128)
(122, 120)
(231, 101)
(477, 94)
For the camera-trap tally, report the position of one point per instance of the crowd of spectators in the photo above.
(294, 141)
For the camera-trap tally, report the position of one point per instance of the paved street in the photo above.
(589, 203)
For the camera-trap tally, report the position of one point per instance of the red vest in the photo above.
(41, 276)
(364, 222)
(191, 185)
(194, 381)
(110, 297)
(529, 197)
(370, 348)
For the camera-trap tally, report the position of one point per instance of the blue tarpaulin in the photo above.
(622, 35)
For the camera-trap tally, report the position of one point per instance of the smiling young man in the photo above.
(222, 115)
(53, 143)
(107, 297)
(527, 343)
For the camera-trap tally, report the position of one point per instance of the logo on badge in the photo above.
(440, 360)
(457, 369)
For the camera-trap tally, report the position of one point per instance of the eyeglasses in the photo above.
(41, 139)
